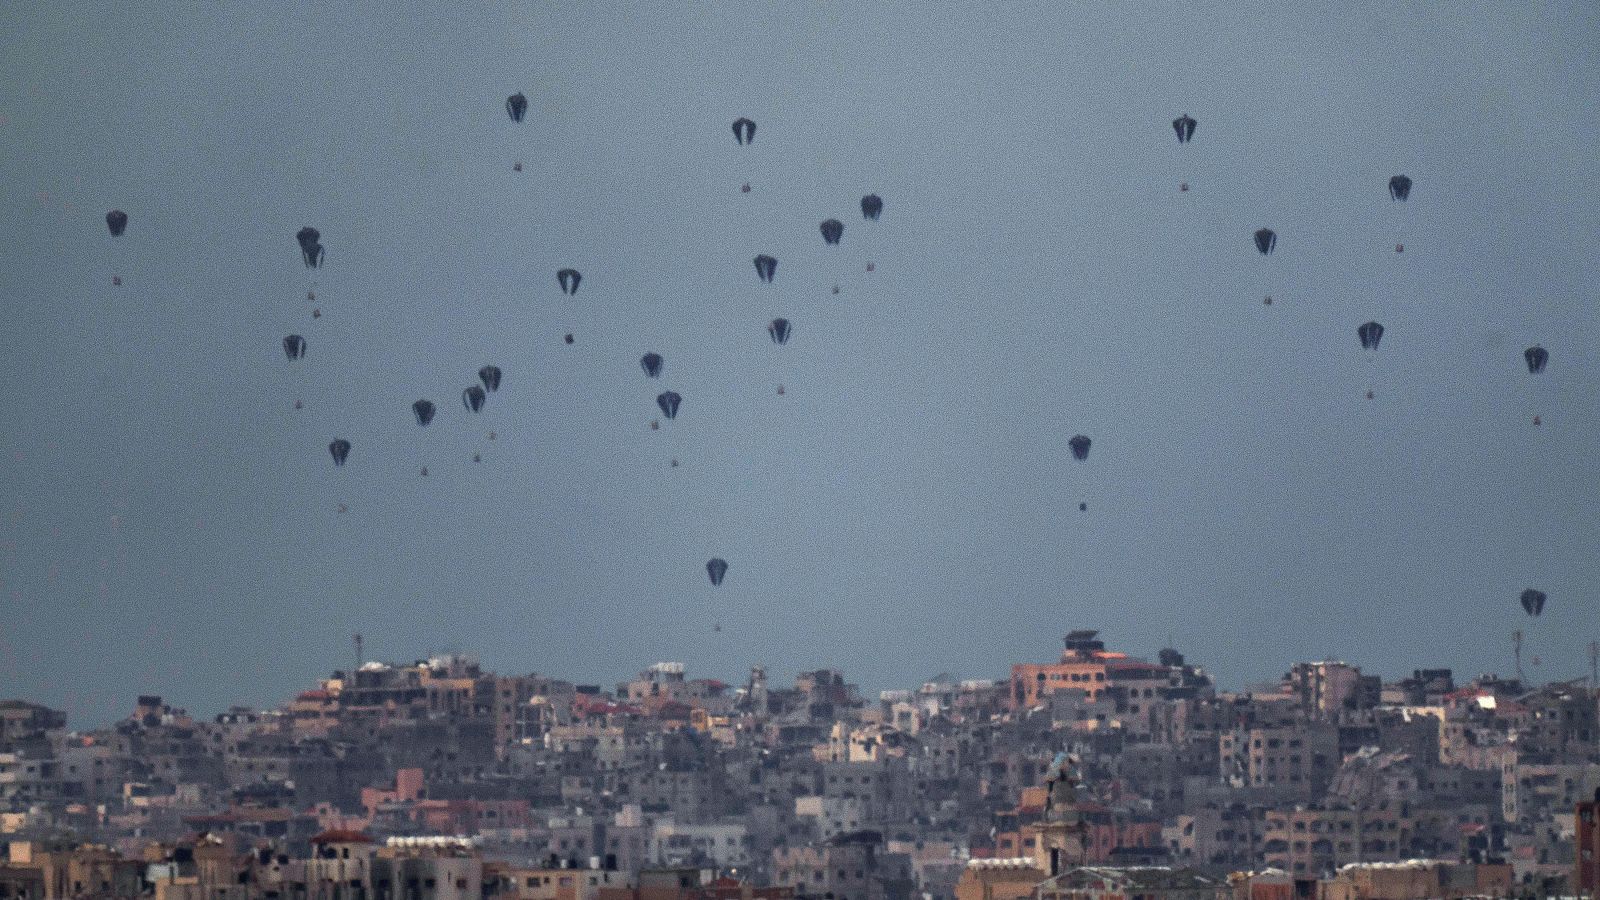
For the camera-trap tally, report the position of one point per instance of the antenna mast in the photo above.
(1516, 650)
(359, 660)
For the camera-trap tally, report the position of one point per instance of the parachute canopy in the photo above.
(1370, 334)
(1536, 357)
(516, 106)
(490, 376)
(1400, 187)
(424, 410)
(744, 131)
(569, 279)
(717, 568)
(1080, 446)
(294, 346)
(668, 401)
(778, 330)
(1266, 240)
(651, 363)
(1184, 126)
(311, 250)
(339, 449)
(766, 267)
(1533, 601)
(117, 222)
(832, 230)
(472, 398)
(871, 206)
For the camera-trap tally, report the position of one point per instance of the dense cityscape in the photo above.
(1095, 774)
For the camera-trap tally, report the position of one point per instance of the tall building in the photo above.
(1586, 874)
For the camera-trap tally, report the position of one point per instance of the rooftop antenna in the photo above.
(359, 660)
(1594, 664)
(1516, 650)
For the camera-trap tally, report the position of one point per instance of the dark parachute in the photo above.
(668, 401)
(1184, 126)
(1080, 447)
(766, 267)
(339, 449)
(1370, 334)
(490, 376)
(516, 106)
(651, 363)
(294, 346)
(311, 249)
(1266, 240)
(872, 206)
(744, 131)
(1533, 601)
(717, 568)
(832, 231)
(778, 330)
(569, 279)
(1536, 356)
(424, 410)
(1399, 187)
(472, 398)
(117, 221)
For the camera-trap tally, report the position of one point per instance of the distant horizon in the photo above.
(868, 692)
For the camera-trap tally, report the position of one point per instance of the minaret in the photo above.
(1059, 840)
(757, 693)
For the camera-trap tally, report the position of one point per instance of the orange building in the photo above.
(1082, 667)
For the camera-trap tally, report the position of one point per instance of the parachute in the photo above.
(766, 267)
(778, 330)
(668, 401)
(872, 206)
(311, 249)
(1536, 357)
(1399, 187)
(651, 363)
(490, 376)
(117, 222)
(1184, 126)
(516, 106)
(339, 449)
(744, 131)
(1533, 601)
(717, 568)
(569, 279)
(294, 346)
(1370, 334)
(832, 231)
(1080, 447)
(424, 410)
(1266, 240)
(472, 398)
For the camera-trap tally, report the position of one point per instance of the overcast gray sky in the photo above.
(170, 521)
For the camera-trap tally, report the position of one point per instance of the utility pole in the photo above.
(1516, 650)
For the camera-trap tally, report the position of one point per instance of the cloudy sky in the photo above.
(171, 523)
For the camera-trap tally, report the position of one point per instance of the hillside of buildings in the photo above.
(1091, 774)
